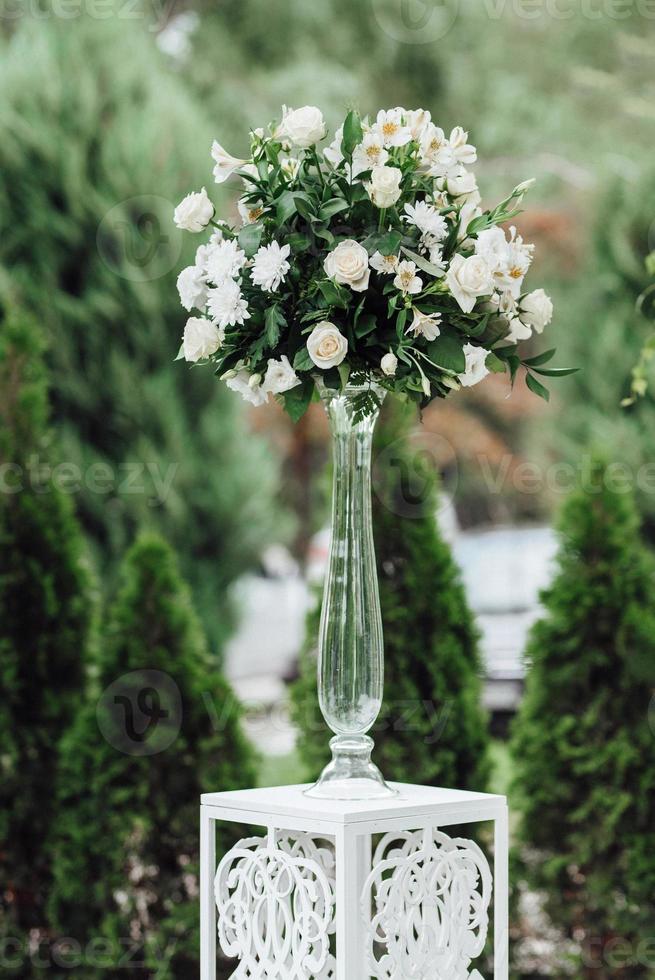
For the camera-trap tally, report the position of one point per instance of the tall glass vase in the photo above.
(351, 650)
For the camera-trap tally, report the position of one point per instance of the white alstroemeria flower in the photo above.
(347, 264)
(332, 153)
(385, 264)
(241, 381)
(227, 305)
(280, 376)
(326, 345)
(290, 167)
(384, 186)
(519, 258)
(194, 212)
(250, 170)
(270, 266)
(468, 279)
(389, 364)
(250, 212)
(425, 325)
(406, 279)
(536, 309)
(192, 287)
(225, 261)
(417, 120)
(303, 127)
(468, 211)
(389, 125)
(463, 186)
(476, 368)
(369, 153)
(427, 219)
(202, 338)
(462, 151)
(436, 155)
(226, 164)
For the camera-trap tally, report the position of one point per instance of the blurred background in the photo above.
(157, 535)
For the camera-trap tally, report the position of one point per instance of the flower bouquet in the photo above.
(365, 267)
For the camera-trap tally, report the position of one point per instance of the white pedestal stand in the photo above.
(353, 890)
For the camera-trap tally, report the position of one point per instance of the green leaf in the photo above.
(422, 263)
(401, 320)
(446, 352)
(352, 133)
(388, 244)
(365, 325)
(298, 242)
(495, 364)
(274, 321)
(541, 358)
(555, 372)
(332, 294)
(296, 400)
(250, 238)
(331, 207)
(286, 206)
(302, 207)
(302, 361)
(537, 387)
(180, 353)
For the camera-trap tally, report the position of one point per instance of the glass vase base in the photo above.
(351, 775)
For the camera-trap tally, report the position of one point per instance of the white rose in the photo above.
(384, 187)
(192, 287)
(202, 338)
(476, 368)
(304, 127)
(226, 164)
(469, 278)
(347, 264)
(280, 376)
(326, 345)
(389, 363)
(194, 212)
(248, 387)
(537, 309)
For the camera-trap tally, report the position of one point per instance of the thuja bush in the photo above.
(161, 727)
(584, 738)
(432, 729)
(98, 142)
(45, 622)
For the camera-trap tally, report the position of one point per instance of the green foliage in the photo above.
(98, 142)
(583, 742)
(45, 619)
(432, 729)
(126, 836)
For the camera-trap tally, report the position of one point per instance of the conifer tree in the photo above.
(584, 738)
(45, 619)
(162, 727)
(432, 729)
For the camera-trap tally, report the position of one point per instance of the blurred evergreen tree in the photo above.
(165, 728)
(432, 729)
(583, 741)
(98, 142)
(45, 621)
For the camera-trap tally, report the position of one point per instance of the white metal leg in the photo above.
(347, 906)
(364, 857)
(501, 889)
(207, 904)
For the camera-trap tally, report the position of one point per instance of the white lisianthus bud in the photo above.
(202, 338)
(389, 364)
(303, 127)
(326, 345)
(469, 278)
(476, 368)
(536, 310)
(194, 212)
(226, 164)
(241, 381)
(254, 380)
(384, 187)
(347, 264)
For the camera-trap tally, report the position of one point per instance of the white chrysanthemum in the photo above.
(425, 325)
(369, 153)
(390, 126)
(227, 305)
(476, 368)
(202, 338)
(406, 279)
(192, 287)
(270, 266)
(435, 255)
(387, 264)
(427, 219)
(225, 261)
